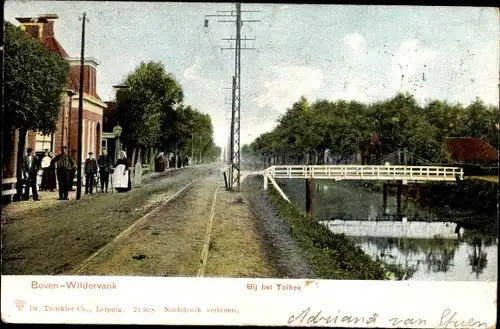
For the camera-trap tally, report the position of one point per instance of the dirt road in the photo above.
(203, 231)
(56, 238)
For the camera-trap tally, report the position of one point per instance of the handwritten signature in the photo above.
(319, 317)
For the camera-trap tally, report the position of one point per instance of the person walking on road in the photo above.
(104, 163)
(90, 170)
(65, 165)
(31, 166)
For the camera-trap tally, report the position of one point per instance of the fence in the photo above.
(356, 172)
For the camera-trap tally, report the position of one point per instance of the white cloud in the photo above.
(356, 46)
(288, 84)
(252, 129)
(407, 70)
(355, 82)
(192, 72)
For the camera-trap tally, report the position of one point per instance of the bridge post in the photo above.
(417, 192)
(406, 193)
(385, 199)
(265, 181)
(309, 196)
(399, 192)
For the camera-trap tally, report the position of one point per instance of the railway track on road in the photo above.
(167, 218)
(130, 229)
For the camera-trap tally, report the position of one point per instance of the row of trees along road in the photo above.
(154, 118)
(306, 130)
(34, 89)
(151, 112)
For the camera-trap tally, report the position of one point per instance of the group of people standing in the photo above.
(63, 168)
(162, 162)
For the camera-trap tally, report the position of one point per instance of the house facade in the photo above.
(66, 133)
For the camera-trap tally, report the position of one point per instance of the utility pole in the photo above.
(200, 147)
(192, 147)
(80, 113)
(234, 158)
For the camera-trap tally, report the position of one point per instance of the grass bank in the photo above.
(333, 256)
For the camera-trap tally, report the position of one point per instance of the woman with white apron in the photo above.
(121, 175)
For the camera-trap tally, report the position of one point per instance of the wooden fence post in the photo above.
(309, 196)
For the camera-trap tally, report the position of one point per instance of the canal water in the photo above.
(469, 257)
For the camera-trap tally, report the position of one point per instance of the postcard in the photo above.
(250, 164)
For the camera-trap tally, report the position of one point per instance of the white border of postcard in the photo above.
(226, 301)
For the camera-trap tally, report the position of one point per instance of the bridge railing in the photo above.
(357, 172)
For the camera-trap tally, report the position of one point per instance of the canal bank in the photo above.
(303, 248)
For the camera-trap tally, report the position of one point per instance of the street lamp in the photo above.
(117, 130)
(80, 112)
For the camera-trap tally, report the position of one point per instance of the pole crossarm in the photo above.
(243, 39)
(238, 48)
(242, 11)
(246, 21)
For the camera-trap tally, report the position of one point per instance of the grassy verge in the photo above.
(333, 256)
(236, 249)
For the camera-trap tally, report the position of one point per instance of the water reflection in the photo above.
(435, 259)
(471, 257)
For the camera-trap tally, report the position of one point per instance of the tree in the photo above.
(145, 106)
(34, 81)
(347, 128)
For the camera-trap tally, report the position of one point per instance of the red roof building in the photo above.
(466, 150)
(66, 134)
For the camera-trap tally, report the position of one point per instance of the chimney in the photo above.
(39, 27)
(48, 25)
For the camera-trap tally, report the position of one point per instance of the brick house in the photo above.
(66, 133)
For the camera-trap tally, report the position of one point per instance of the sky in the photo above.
(364, 53)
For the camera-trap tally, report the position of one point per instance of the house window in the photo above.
(43, 142)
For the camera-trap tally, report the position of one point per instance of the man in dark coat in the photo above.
(104, 163)
(65, 165)
(31, 165)
(90, 170)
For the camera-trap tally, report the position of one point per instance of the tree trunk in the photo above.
(152, 157)
(132, 159)
(175, 156)
(21, 150)
(12, 154)
(139, 159)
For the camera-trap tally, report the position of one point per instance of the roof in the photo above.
(74, 82)
(55, 46)
(467, 149)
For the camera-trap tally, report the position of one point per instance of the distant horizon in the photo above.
(332, 52)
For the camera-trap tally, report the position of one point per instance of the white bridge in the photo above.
(394, 229)
(356, 172)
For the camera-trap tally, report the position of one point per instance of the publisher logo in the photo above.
(19, 304)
